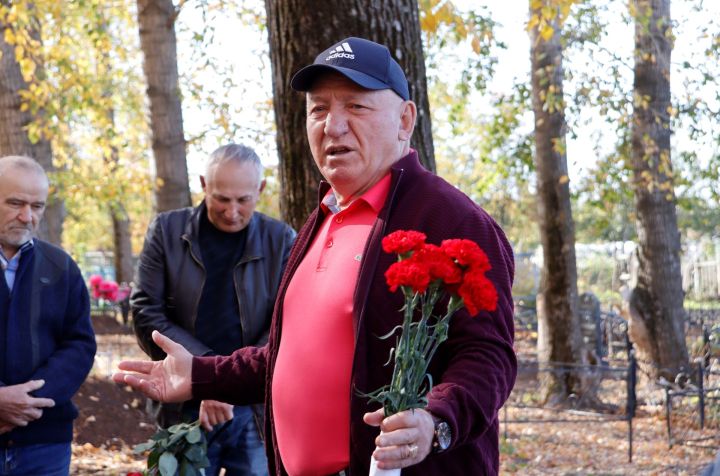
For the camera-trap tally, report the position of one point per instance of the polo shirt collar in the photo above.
(374, 197)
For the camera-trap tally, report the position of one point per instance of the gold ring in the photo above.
(413, 449)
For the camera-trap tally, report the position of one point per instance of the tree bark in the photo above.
(559, 333)
(656, 302)
(298, 31)
(157, 40)
(14, 138)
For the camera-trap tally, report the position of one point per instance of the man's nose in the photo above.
(335, 123)
(25, 214)
(232, 211)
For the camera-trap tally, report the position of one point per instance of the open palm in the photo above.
(167, 380)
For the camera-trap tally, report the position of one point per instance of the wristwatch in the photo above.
(442, 437)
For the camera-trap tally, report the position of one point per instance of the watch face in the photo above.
(442, 432)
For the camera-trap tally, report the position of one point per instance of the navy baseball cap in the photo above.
(366, 63)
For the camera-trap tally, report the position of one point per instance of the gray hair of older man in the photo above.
(22, 162)
(237, 153)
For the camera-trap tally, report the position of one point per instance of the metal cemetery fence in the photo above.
(609, 397)
(700, 393)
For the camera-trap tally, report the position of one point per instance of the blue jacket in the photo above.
(45, 333)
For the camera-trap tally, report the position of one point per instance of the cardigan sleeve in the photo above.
(238, 378)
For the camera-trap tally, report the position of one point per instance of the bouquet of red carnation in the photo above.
(424, 273)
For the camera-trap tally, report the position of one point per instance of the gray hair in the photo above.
(237, 153)
(22, 162)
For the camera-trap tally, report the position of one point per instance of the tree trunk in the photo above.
(14, 138)
(298, 31)
(656, 302)
(157, 40)
(559, 333)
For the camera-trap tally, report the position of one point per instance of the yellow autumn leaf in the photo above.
(547, 32)
(565, 10)
(9, 36)
(476, 44)
(533, 22)
(563, 179)
(27, 67)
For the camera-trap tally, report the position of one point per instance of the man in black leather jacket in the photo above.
(207, 278)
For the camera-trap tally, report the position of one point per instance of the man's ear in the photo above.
(407, 120)
(262, 186)
(202, 183)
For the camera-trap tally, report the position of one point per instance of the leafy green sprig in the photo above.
(180, 449)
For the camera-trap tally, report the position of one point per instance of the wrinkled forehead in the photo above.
(23, 180)
(233, 178)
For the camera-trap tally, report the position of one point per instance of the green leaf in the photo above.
(187, 469)
(168, 464)
(175, 428)
(194, 454)
(194, 436)
(152, 461)
(160, 435)
(143, 447)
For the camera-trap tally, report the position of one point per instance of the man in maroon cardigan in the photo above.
(333, 302)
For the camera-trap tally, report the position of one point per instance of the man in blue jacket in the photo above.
(47, 345)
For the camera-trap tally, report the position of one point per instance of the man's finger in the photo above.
(33, 414)
(374, 418)
(137, 383)
(139, 366)
(204, 419)
(42, 402)
(168, 345)
(32, 385)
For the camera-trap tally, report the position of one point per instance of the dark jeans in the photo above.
(34, 460)
(237, 447)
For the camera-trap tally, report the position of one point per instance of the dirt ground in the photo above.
(112, 420)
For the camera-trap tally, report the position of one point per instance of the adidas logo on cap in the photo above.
(341, 51)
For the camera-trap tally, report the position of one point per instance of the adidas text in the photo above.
(340, 55)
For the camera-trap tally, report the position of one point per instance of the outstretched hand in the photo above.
(167, 380)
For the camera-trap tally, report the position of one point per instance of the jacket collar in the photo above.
(253, 243)
(408, 162)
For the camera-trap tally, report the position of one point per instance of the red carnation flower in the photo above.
(466, 253)
(477, 292)
(440, 265)
(409, 272)
(402, 242)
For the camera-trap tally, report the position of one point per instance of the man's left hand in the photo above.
(214, 413)
(406, 437)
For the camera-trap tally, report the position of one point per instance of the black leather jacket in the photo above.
(170, 277)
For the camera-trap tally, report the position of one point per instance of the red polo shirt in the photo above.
(311, 382)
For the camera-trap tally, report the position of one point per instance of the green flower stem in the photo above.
(415, 348)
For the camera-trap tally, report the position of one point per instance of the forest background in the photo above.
(478, 71)
(570, 121)
(588, 121)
